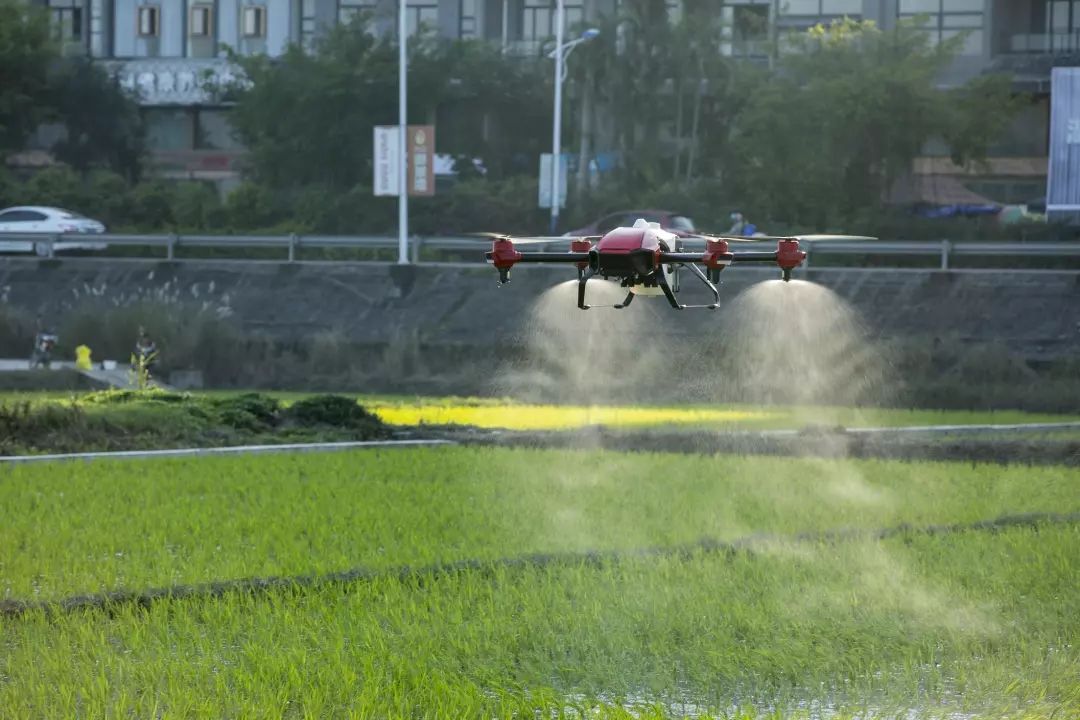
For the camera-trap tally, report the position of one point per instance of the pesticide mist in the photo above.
(799, 343)
(584, 357)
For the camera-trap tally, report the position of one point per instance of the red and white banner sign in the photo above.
(421, 148)
(420, 157)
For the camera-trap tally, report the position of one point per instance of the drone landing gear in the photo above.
(673, 301)
(661, 281)
(583, 277)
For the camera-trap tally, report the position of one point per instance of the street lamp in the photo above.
(560, 53)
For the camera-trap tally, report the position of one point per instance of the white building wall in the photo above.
(278, 26)
(173, 26)
(124, 30)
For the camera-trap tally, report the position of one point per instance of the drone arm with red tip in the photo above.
(504, 256)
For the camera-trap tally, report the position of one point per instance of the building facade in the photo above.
(166, 50)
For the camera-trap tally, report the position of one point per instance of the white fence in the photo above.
(425, 250)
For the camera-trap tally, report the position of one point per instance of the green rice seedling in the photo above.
(74, 528)
(979, 625)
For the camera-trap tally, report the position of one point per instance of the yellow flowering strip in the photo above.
(556, 417)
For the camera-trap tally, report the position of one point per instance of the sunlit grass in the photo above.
(963, 626)
(73, 528)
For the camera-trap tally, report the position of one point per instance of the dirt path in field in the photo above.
(749, 544)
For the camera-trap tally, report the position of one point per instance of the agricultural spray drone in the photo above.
(646, 259)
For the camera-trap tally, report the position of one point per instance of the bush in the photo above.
(58, 186)
(9, 189)
(336, 411)
(251, 206)
(250, 411)
(151, 206)
(195, 206)
(108, 198)
(479, 205)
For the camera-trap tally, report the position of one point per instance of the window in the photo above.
(14, 216)
(66, 20)
(213, 131)
(946, 19)
(201, 19)
(254, 21)
(538, 18)
(821, 8)
(349, 9)
(148, 20)
(467, 28)
(422, 16)
(169, 128)
(751, 22)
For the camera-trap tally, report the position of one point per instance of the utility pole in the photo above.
(585, 146)
(556, 125)
(403, 145)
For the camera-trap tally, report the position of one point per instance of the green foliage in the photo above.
(850, 108)
(524, 620)
(25, 54)
(479, 205)
(102, 123)
(336, 410)
(249, 411)
(58, 185)
(152, 205)
(197, 206)
(252, 206)
(108, 198)
(307, 117)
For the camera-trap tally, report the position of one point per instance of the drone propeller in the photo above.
(726, 238)
(774, 238)
(531, 240)
(835, 238)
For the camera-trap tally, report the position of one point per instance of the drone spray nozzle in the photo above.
(581, 245)
(788, 257)
(503, 256)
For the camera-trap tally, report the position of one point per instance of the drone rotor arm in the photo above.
(547, 257)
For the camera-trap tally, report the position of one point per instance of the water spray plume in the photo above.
(798, 343)
(580, 358)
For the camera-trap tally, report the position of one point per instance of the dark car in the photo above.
(625, 218)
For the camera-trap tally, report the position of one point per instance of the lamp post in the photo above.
(560, 53)
(403, 146)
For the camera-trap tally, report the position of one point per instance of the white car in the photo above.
(32, 219)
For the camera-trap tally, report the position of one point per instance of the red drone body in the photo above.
(646, 259)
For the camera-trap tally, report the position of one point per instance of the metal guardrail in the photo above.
(945, 250)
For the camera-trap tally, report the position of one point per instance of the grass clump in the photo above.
(333, 410)
(153, 419)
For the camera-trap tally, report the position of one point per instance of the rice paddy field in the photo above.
(466, 582)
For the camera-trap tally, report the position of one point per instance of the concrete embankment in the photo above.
(1033, 313)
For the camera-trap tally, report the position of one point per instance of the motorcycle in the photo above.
(43, 348)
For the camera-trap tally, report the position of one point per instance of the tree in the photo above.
(846, 113)
(307, 117)
(25, 54)
(102, 122)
